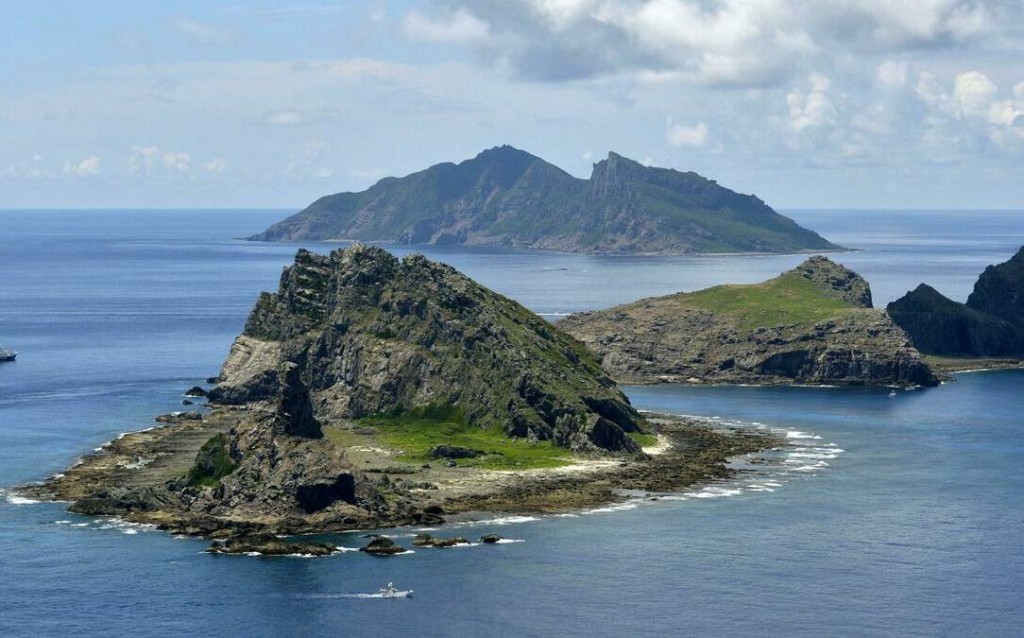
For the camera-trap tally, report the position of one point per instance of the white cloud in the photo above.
(814, 108)
(177, 162)
(152, 160)
(89, 167)
(459, 26)
(893, 75)
(680, 135)
(202, 32)
(216, 166)
(283, 118)
(973, 93)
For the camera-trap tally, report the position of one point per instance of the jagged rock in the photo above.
(270, 546)
(371, 335)
(195, 391)
(836, 281)
(505, 196)
(382, 546)
(426, 540)
(294, 407)
(187, 402)
(810, 325)
(490, 538)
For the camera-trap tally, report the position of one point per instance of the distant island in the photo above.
(989, 325)
(811, 325)
(508, 197)
(369, 392)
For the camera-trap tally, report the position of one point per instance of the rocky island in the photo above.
(370, 391)
(811, 325)
(508, 197)
(989, 325)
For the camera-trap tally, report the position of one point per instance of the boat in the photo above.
(391, 592)
(7, 355)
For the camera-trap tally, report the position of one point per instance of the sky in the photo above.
(233, 104)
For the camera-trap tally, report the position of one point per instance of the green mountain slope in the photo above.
(507, 197)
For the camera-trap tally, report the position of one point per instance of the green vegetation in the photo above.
(416, 431)
(785, 300)
(643, 440)
(213, 462)
(513, 198)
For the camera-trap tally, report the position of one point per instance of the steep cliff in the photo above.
(371, 335)
(813, 325)
(508, 197)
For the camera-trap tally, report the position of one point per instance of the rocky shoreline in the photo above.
(127, 478)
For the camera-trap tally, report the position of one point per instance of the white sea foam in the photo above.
(20, 500)
(501, 520)
(620, 507)
(506, 541)
(797, 434)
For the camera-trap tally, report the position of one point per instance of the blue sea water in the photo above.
(883, 517)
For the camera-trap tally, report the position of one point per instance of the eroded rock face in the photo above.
(672, 339)
(368, 334)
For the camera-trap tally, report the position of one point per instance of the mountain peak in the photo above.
(836, 279)
(505, 196)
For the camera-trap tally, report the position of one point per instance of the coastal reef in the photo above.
(508, 197)
(811, 325)
(990, 324)
(369, 392)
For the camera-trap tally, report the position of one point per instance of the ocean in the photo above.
(883, 516)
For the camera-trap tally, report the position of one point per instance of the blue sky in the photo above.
(841, 104)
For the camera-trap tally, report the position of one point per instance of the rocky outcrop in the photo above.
(367, 335)
(383, 546)
(990, 324)
(999, 291)
(811, 325)
(426, 540)
(508, 197)
(268, 545)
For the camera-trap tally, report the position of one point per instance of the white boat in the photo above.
(7, 355)
(391, 592)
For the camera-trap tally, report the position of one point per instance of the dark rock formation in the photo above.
(383, 546)
(507, 197)
(999, 290)
(490, 539)
(268, 545)
(195, 391)
(453, 452)
(294, 407)
(990, 324)
(811, 325)
(179, 417)
(426, 540)
(941, 326)
(367, 334)
(314, 497)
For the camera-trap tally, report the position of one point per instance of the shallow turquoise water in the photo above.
(903, 517)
